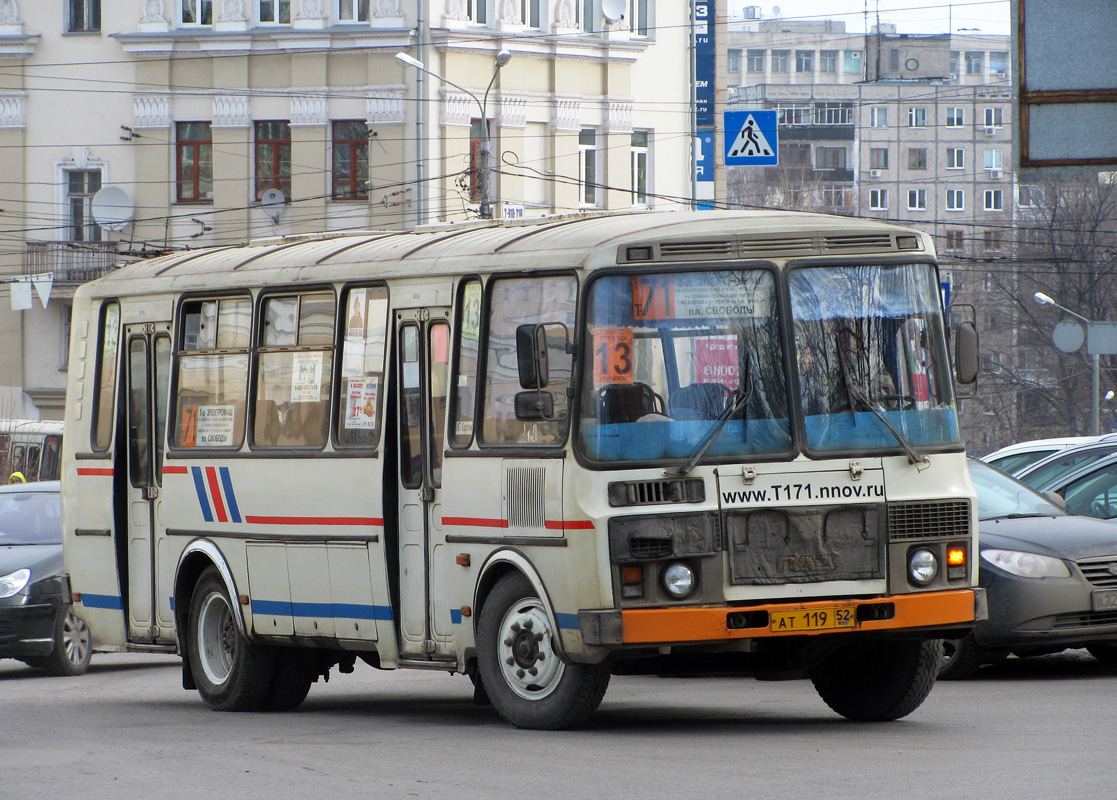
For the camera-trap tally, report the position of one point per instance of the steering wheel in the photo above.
(898, 402)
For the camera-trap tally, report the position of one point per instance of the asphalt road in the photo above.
(1038, 728)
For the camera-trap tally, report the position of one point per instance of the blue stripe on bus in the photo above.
(113, 602)
(569, 621)
(282, 608)
(230, 498)
(203, 499)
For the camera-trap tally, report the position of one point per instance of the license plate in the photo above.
(812, 619)
(1105, 599)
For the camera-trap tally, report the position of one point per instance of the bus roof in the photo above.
(520, 244)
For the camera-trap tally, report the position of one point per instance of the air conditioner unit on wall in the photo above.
(990, 130)
(874, 173)
(994, 173)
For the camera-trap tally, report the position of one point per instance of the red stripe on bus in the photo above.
(176, 470)
(475, 522)
(215, 492)
(572, 525)
(373, 521)
(103, 471)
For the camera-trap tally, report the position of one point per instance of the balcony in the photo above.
(71, 262)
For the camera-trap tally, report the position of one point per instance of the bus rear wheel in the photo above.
(528, 682)
(878, 681)
(231, 673)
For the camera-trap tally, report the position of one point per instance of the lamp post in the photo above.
(1095, 357)
(485, 167)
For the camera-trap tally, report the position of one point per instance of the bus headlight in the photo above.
(14, 582)
(923, 566)
(678, 580)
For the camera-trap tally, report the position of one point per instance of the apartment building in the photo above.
(219, 121)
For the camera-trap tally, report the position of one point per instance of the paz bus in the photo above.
(32, 448)
(536, 453)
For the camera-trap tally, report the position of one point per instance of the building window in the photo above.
(587, 166)
(998, 64)
(756, 61)
(917, 117)
(350, 165)
(353, 10)
(83, 16)
(638, 16)
(975, 63)
(830, 158)
(1029, 196)
(795, 154)
(878, 116)
(878, 199)
(994, 200)
(194, 143)
(794, 115)
(917, 199)
(878, 158)
(780, 59)
(197, 12)
(993, 118)
(639, 168)
(954, 240)
(992, 241)
(65, 323)
(917, 158)
(734, 60)
(994, 159)
(273, 158)
(955, 60)
(955, 158)
(804, 60)
(853, 62)
(894, 60)
(275, 12)
(955, 117)
(81, 185)
(827, 60)
(955, 200)
(477, 11)
(833, 114)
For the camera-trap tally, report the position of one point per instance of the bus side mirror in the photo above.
(535, 405)
(531, 357)
(965, 353)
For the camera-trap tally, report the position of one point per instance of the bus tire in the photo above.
(962, 659)
(878, 681)
(295, 671)
(73, 647)
(528, 682)
(232, 674)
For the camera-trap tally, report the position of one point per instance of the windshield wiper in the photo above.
(741, 400)
(857, 395)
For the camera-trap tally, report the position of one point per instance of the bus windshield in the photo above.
(682, 358)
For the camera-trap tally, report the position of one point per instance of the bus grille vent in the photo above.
(946, 519)
(863, 243)
(774, 248)
(723, 248)
(1100, 571)
(526, 491)
(650, 493)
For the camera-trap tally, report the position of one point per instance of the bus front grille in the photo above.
(913, 521)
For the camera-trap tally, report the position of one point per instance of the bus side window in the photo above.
(464, 396)
(34, 453)
(52, 456)
(108, 359)
(549, 301)
(364, 338)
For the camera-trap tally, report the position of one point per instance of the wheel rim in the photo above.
(526, 652)
(217, 639)
(76, 640)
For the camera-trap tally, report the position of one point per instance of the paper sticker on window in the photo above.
(188, 433)
(306, 378)
(355, 325)
(612, 355)
(716, 361)
(361, 402)
(215, 426)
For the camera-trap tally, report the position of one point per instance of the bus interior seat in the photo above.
(699, 401)
(626, 402)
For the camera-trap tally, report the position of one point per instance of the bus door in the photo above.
(422, 357)
(148, 372)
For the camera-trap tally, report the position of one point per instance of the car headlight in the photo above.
(1026, 565)
(923, 566)
(14, 582)
(678, 580)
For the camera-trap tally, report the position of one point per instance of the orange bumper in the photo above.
(908, 611)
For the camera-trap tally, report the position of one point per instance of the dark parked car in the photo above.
(1050, 577)
(37, 625)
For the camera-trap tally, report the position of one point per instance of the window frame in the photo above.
(994, 159)
(754, 61)
(917, 116)
(200, 9)
(975, 62)
(920, 196)
(878, 199)
(279, 147)
(917, 158)
(357, 190)
(277, 8)
(781, 61)
(878, 158)
(994, 117)
(955, 158)
(355, 15)
(640, 172)
(804, 61)
(824, 155)
(90, 21)
(994, 200)
(878, 117)
(828, 61)
(97, 442)
(589, 166)
(955, 200)
(955, 116)
(81, 227)
(198, 148)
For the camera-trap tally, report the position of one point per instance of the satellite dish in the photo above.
(273, 201)
(775, 12)
(112, 208)
(613, 10)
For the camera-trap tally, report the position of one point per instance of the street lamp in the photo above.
(485, 167)
(1095, 357)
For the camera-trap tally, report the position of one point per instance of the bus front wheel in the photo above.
(528, 682)
(231, 673)
(878, 681)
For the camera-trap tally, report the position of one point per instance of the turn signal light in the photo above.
(956, 556)
(632, 581)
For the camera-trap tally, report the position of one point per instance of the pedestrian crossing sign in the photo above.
(751, 138)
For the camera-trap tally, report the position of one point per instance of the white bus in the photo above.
(534, 453)
(33, 448)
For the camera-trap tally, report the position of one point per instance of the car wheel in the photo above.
(73, 646)
(295, 671)
(962, 658)
(527, 681)
(1105, 652)
(878, 681)
(231, 673)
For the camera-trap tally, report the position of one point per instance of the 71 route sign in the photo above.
(752, 138)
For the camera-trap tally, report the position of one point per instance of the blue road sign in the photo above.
(752, 138)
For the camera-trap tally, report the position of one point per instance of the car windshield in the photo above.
(30, 518)
(1000, 496)
(1050, 471)
(1018, 461)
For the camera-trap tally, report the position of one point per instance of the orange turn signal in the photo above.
(632, 574)
(956, 556)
